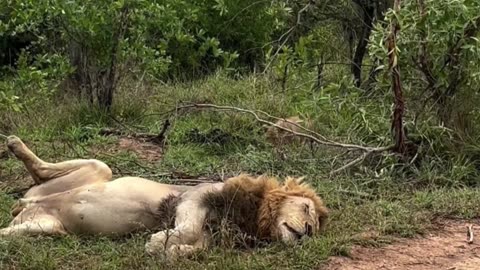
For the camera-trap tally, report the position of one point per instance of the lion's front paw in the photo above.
(160, 242)
(176, 251)
(172, 252)
(156, 244)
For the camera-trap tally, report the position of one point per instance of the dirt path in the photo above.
(443, 249)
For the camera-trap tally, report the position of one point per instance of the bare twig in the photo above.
(3, 136)
(121, 124)
(470, 234)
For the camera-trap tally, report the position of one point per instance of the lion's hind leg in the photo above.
(42, 171)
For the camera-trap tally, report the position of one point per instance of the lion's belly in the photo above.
(114, 207)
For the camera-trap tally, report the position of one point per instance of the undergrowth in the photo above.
(380, 195)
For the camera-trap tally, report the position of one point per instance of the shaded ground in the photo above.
(443, 249)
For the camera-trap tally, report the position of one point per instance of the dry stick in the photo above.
(470, 234)
(3, 136)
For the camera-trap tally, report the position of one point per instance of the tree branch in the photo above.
(287, 35)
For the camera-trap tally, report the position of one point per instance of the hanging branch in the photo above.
(287, 35)
(397, 123)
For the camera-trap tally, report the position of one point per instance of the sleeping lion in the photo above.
(78, 197)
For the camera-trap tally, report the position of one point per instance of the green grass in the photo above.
(379, 196)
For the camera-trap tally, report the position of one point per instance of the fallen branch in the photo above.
(322, 141)
(470, 234)
(310, 134)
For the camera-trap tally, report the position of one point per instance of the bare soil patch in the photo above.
(143, 148)
(446, 248)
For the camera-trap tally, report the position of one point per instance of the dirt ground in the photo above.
(442, 249)
(145, 150)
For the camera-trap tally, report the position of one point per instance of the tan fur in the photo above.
(278, 136)
(245, 198)
(79, 197)
(270, 208)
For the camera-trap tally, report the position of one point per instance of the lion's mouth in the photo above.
(298, 235)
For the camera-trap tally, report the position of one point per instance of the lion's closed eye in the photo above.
(306, 208)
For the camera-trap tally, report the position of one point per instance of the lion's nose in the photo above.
(308, 229)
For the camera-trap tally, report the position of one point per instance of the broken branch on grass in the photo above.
(470, 234)
(311, 135)
(321, 141)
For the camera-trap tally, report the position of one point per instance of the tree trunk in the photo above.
(397, 123)
(368, 16)
(320, 66)
(110, 77)
(108, 85)
(369, 84)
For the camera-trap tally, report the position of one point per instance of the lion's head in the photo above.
(265, 208)
(291, 211)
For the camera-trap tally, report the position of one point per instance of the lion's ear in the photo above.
(292, 183)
